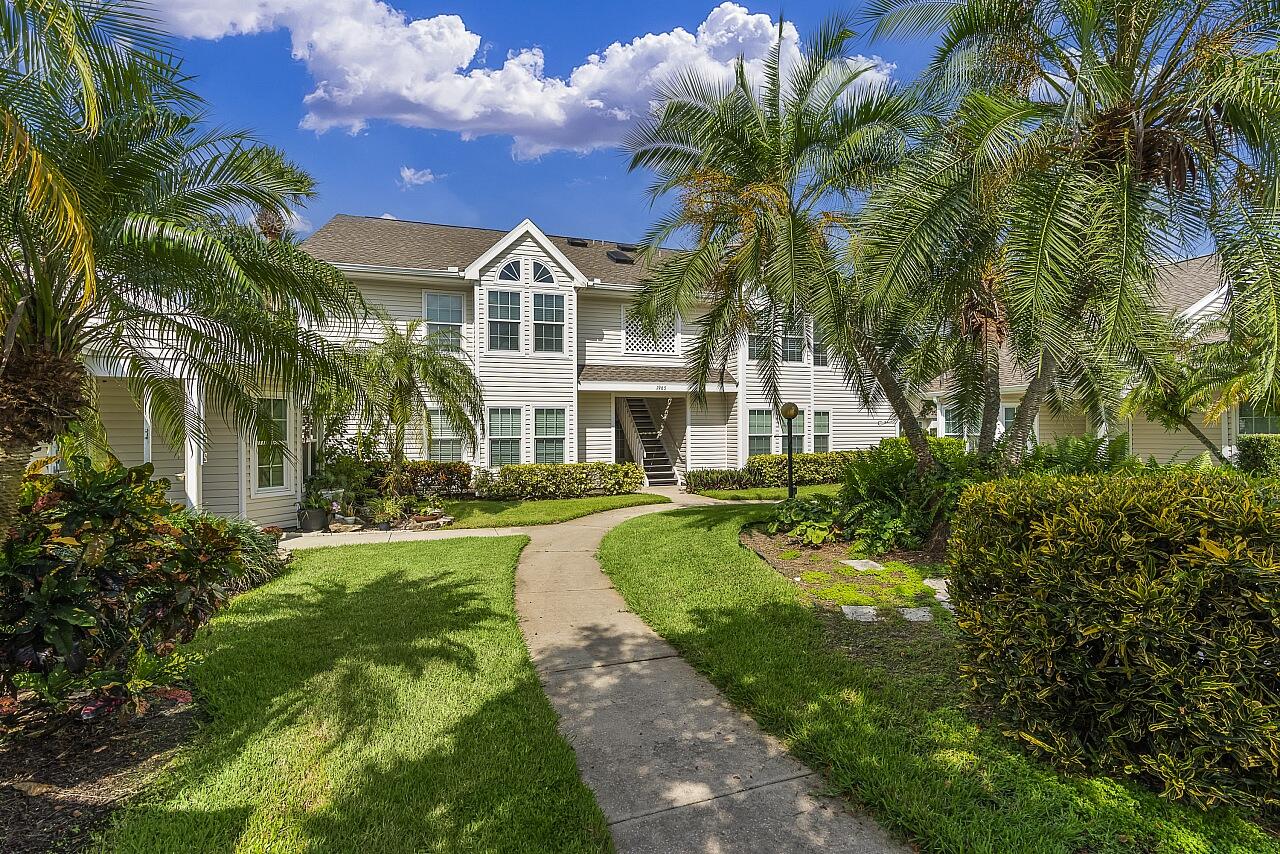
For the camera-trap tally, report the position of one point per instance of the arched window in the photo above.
(510, 272)
(542, 275)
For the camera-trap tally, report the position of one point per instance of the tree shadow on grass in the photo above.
(357, 706)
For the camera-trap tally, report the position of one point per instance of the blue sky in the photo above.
(488, 104)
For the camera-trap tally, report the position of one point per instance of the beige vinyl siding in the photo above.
(595, 427)
(711, 433)
(1054, 426)
(1149, 439)
(526, 379)
(219, 491)
(600, 333)
(122, 419)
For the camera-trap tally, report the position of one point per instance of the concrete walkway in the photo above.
(674, 767)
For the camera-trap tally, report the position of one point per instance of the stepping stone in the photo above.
(860, 613)
(862, 565)
(939, 586)
(916, 615)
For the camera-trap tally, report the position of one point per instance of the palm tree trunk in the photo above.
(13, 464)
(1204, 440)
(1029, 408)
(894, 393)
(990, 394)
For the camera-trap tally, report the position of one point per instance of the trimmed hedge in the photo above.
(1129, 624)
(771, 469)
(1259, 454)
(562, 480)
(697, 480)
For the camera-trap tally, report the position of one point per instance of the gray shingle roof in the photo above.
(381, 242)
(644, 374)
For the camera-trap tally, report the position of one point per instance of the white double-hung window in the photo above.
(548, 323)
(446, 444)
(504, 436)
(444, 313)
(504, 320)
(759, 432)
(269, 461)
(821, 432)
(548, 435)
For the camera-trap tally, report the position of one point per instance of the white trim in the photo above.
(677, 331)
(193, 450)
(146, 427)
(1193, 311)
(409, 272)
(670, 389)
(525, 229)
(290, 432)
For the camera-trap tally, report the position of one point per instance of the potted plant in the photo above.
(313, 512)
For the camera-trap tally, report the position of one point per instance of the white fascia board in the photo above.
(1202, 307)
(597, 285)
(379, 271)
(525, 229)
(665, 388)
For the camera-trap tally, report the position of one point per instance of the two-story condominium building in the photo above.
(568, 374)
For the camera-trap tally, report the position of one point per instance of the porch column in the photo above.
(193, 457)
(146, 427)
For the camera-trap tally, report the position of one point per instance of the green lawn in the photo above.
(516, 514)
(377, 698)
(771, 493)
(879, 707)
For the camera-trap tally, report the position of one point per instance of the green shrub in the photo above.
(1259, 454)
(771, 469)
(562, 480)
(1129, 624)
(99, 568)
(425, 479)
(1071, 455)
(700, 480)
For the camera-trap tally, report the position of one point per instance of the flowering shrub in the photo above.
(99, 566)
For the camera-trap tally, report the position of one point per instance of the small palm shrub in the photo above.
(700, 480)
(1129, 624)
(1068, 455)
(1259, 454)
(558, 480)
(100, 571)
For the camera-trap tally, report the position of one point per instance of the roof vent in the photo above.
(620, 257)
(628, 247)
(576, 241)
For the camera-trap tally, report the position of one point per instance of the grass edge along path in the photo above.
(771, 493)
(377, 698)
(478, 513)
(914, 758)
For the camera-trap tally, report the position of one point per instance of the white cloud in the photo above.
(388, 216)
(410, 177)
(372, 62)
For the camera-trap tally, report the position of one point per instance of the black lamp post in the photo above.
(789, 411)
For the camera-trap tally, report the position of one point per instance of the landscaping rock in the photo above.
(939, 586)
(860, 613)
(343, 528)
(863, 565)
(429, 524)
(916, 615)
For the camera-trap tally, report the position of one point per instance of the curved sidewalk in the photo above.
(674, 767)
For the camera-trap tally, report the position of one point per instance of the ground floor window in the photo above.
(821, 432)
(548, 435)
(1257, 420)
(759, 432)
(797, 439)
(446, 444)
(271, 473)
(504, 436)
(954, 426)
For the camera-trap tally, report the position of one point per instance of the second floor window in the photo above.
(542, 274)
(548, 435)
(548, 323)
(444, 314)
(504, 320)
(504, 436)
(510, 272)
(793, 345)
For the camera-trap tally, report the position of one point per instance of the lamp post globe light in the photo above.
(789, 411)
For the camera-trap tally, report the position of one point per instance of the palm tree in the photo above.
(62, 55)
(1105, 135)
(765, 175)
(405, 375)
(183, 291)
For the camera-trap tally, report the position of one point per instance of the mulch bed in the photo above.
(61, 778)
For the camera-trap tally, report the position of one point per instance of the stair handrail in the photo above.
(632, 434)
